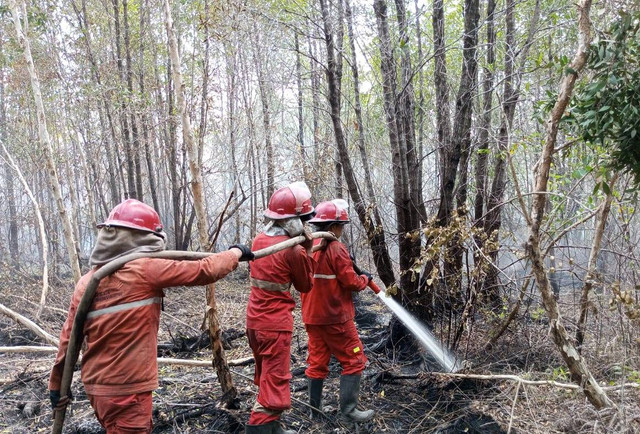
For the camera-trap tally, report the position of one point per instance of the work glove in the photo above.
(367, 275)
(58, 403)
(247, 254)
(307, 244)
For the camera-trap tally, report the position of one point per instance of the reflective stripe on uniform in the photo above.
(324, 276)
(270, 286)
(125, 306)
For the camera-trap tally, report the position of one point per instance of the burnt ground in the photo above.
(407, 395)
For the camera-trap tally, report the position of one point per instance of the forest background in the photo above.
(488, 150)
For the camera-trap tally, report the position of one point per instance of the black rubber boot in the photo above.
(349, 392)
(267, 428)
(278, 429)
(315, 396)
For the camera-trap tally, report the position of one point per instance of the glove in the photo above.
(247, 254)
(58, 403)
(307, 244)
(367, 275)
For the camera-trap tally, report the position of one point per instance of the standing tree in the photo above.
(18, 9)
(219, 360)
(580, 373)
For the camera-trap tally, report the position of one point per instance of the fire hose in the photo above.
(76, 336)
(375, 288)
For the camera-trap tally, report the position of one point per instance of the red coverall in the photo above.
(270, 322)
(119, 366)
(328, 313)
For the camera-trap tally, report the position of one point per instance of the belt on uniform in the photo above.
(270, 286)
(124, 306)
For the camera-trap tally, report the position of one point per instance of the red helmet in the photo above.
(334, 211)
(134, 214)
(294, 200)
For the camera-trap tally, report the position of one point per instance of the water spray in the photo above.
(419, 330)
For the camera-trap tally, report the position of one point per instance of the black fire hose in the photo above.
(375, 288)
(76, 337)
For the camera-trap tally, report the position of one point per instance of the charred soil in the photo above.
(405, 392)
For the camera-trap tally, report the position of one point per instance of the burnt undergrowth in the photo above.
(400, 383)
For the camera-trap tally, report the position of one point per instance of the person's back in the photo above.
(270, 302)
(119, 366)
(269, 312)
(328, 312)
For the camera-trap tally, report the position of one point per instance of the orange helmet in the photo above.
(334, 211)
(294, 200)
(134, 214)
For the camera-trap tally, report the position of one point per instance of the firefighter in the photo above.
(119, 367)
(269, 317)
(328, 312)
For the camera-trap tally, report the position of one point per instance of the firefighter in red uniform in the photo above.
(328, 313)
(269, 317)
(119, 367)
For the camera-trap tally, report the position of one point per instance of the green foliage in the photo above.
(606, 110)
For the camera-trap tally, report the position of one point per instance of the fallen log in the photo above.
(20, 319)
(162, 361)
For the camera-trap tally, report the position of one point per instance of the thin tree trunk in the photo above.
(591, 274)
(420, 111)
(126, 134)
(135, 139)
(372, 210)
(43, 234)
(219, 360)
(376, 238)
(265, 93)
(302, 151)
(443, 120)
(493, 217)
(580, 373)
(487, 104)
(19, 9)
(95, 73)
(315, 108)
(144, 117)
(406, 120)
(12, 232)
(408, 242)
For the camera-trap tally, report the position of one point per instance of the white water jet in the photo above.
(428, 340)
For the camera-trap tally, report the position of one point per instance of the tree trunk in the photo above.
(580, 373)
(17, 10)
(458, 152)
(42, 232)
(265, 93)
(376, 237)
(135, 139)
(409, 239)
(487, 105)
(126, 134)
(144, 117)
(303, 151)
(406, 120)
(493, 216)
(373, 219)
(219, 360)
(443, 120)
(83, 24)
(12, 232)
(591, 277)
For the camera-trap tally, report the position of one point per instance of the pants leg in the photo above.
(319, 353)
(271, 351)
(124, 414)
(345, 344)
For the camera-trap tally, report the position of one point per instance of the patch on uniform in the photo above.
(356, 350)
